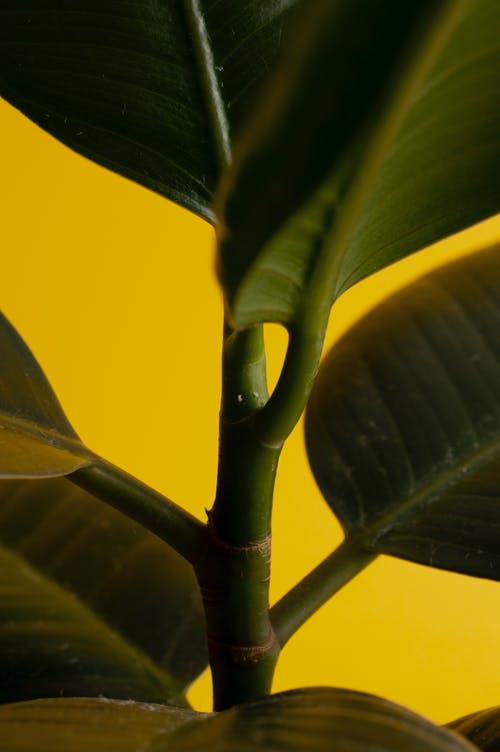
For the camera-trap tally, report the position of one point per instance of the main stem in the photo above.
(234, 571)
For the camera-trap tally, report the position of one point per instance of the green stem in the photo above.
(305, 598)
(279, 417)
(235, 569)
(149, 508)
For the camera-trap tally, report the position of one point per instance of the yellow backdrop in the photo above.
(113, 289)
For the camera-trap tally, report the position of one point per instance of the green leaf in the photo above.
(315, 720)
(403, 425)
(482, 728)
(379, 137)
(153, 90)
(35, 436)
(90, 602)
(108, 607)
(86, 725)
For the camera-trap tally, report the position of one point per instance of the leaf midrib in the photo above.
(423, 497)
(45, 434)
(209, 83)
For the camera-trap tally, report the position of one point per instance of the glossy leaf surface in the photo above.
(313, 720)
(153, 90)
(482, 728)
(85, 725)
(324, 185)
(90, 602)
(35, 436)
(403, 425)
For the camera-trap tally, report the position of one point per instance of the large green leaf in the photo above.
(403, 425)
(151, 89)
(36, 439)
(90, 602)
(86, 725)
(307, 720)
(314, 720)
(310, 202)
(482, 728)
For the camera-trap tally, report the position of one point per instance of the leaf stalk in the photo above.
(183, 532)
(312, 592)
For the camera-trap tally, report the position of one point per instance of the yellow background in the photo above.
(113, 289)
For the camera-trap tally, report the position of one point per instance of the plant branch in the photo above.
(305, 598)
(278, 418)
(183, 532)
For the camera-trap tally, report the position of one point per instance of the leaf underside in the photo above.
(306, 720)
(147, 89)
(481, 728)
(287, 202)
(90, 602)
(403, 425)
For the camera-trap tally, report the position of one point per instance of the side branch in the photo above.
(305, 598)
(280, 415)
(183, 532)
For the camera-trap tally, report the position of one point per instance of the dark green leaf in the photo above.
(315, 720)
(86, 725)
(90, 602)
(35, 436)
(482, 728)
(403, 425)
(153, 90)
(310, 202)
(441, 175)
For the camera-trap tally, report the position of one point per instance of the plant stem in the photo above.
(149, 508)
(279, 417)
(235, 569)
(305, 598)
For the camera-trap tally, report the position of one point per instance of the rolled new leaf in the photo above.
(315, 720)
(36, 439)
(80, 725)
(91, 603)
(481, 728)
(152, 90)
(379, 137)
(403, 425)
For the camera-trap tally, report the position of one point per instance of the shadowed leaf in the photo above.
(313, 720)
(84, 725)
(403, 425)
(153, 90)
(380, 136)
(482, 728)
(90, 602)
